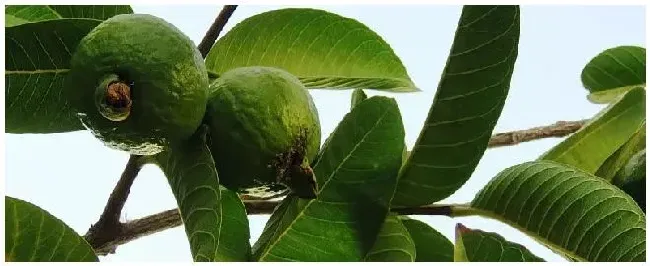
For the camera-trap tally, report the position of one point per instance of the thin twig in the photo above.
(559, 129)
(109, 221)
(215, 29)
(170, 218)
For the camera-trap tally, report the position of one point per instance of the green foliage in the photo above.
(356, 180)
(16, 15)
(584, 198)
(613, 72)
(324, 50)
(466, 106)
(38, 60)
(214, 218)
(393, 243)
(430, 245)
(476, 245)
(33, 234)
(590, 147)
(572, 212)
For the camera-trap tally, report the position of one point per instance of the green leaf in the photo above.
(468, 102)
(479, 246)
(430, 245)
(24, 13)
(601, 137)
(357, 97)
(356, 179)
(615, 162)
(612, 70)
(38, 59)
(214, 218)
(609, 96)
(631, 178)
(324, 50)
(577, 215)
(393, 243)
(33, 234)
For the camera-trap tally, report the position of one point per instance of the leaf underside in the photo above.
(33, 234)
(576, 214)
(33, 13)
(479, 246)
(322, 49)
(468, 102)
(615, 162)
(596, 141)
(214, 217)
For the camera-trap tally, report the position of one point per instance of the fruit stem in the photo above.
(113, 98)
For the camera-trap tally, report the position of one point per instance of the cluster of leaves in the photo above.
(569, 199)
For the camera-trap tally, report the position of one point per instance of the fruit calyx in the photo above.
(294, 171)
(113, 98)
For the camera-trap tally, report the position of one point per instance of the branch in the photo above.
(109, 222)
(169, 219)
(215, 29)
(559, 129)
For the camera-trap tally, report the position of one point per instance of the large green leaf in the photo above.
(324, 50)
(615, 162)
(214, 217)
(601, 137)
(356, 176)
(33, 234)
(393, 243)
(38, 59)
(614, 71)
(466, 107)
(430, 245)
(479, 246)
(19, 14)
(631, 178)
(578, 215)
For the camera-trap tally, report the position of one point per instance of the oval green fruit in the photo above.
(139, 83)
(264, 131)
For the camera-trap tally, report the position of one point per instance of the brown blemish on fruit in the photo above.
(118, 96)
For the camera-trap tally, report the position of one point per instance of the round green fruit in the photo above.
(264, 131)
(141, 83)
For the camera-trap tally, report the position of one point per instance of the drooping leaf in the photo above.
(615, 162)
(614, 71)
(356, 177)
(357, 97)
(33, 234)
(578, 215)
(478, 246)
(214, 217)
(324, 50)
(601, 137)
(468, 102)
(393, 243)
(38, 59)
(33, 13)
(631, 178)
(430, 245)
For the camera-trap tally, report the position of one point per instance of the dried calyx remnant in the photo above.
(293, 169)
(113, 98)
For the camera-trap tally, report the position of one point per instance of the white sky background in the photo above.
(71, 175)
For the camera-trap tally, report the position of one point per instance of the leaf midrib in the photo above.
(302, 211)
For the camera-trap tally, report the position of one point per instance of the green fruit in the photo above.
(264, 131)
(631, 178)
(141, 83)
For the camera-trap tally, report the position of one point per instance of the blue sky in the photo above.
(72, 174)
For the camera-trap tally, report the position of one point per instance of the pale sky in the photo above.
(72, 174)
